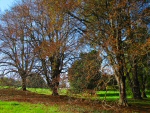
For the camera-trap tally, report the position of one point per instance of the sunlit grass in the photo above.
(2, 87)
(110, 95)
(20, 107)
(45, 91)
(148, 93)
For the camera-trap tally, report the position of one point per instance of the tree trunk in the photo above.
(121, 78)
(55, 80)
(55, 84)
(143, 82)
(143, 91)
(136, 91)
(136, 86)
(55, 75)
(23, 83)
(122, 91)
(144, 94)
(55, 90)
(46, 73)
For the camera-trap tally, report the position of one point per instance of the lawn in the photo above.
(46, 91)
(18, 101)
(110, 95)
(37, 100)
(21, 107)
(40, 90)
(101, 95)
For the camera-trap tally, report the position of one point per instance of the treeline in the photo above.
(84, 38)
(32, 82)
(5, 81)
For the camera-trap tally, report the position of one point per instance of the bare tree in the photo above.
(54, 40)
(17, 55)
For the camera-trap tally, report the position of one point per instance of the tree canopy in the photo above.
(85, 73)
(47, 37)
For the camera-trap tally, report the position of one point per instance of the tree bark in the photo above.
(55, 84)
(121, 76)
(144, 94)
(143, 91)
(55, 75)
(136, 86)
(134, 83)
(122, 91)
(23, 83)
(46, 73)
(143, 82)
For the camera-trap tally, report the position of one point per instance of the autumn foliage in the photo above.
(47, 37)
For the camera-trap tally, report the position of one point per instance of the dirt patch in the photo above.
(66, 102)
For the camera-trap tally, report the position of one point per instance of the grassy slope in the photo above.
(40, 90)
(46, 91)
(12, 106)
(16, 107)
(20, 107)
(101, 95)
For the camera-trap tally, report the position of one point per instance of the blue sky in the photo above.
(5, 4)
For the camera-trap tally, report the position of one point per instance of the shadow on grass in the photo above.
(14, 104)
(141, 102)
(108, 94)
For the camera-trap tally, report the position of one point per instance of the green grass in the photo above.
(46, 91)
(109, 95)
(20, 107)
(40, 90)
(63, 91)
(2, 87)
(148, 93)
(144, 102)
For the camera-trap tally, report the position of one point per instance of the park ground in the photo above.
(14, 100)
